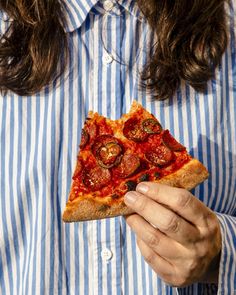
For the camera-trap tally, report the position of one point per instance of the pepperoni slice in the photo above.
(108, 154)
(96, 178)
(151, 126)
(102, 140)
(171, 142)
(134, 131)
(84, 138)
(128, 166)
(107, 150)
(161, 156)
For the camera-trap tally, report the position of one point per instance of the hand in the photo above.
(177, 234)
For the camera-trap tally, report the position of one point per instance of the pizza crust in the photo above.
(188, 177)
(87, 209)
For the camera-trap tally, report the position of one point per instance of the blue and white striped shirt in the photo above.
(39, 137)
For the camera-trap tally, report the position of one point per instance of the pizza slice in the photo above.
(116, 155)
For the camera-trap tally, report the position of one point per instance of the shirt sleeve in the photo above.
(227, 271)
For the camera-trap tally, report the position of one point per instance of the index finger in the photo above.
(179, 200)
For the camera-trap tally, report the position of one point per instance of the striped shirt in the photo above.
(39, 135)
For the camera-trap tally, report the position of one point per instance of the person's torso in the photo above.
(39, 138)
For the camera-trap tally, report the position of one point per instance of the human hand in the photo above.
(178, 236)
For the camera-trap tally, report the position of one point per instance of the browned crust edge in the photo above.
(87, 209)
(188, 177)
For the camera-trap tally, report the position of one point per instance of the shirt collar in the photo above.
(77, 11)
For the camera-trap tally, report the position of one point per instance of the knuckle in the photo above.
(148, 257)
(152, 240)
(142, 205)
(173, 224)
(212, 227)
(209, 218)
(184, 198)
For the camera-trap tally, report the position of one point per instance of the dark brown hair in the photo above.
(191, 38)
(33, 45)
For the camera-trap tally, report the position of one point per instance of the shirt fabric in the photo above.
(39, 136)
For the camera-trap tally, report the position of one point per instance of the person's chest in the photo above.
(107, 55)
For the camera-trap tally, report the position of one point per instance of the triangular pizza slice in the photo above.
(115, 156)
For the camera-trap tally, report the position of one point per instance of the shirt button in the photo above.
(108, 5)
(106, 254)
(107, 59)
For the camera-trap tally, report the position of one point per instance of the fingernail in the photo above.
(142, 188)
(130, 198)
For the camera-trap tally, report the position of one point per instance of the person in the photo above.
(58, 60)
